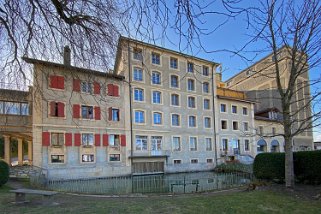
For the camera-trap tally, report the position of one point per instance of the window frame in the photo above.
(188, 102)
(237, 123)
(141, 53)
(179, 120)
(222, 124)
(194, 85)
(142, 71)
(210, 122)
(160, 97)
(223, 104)
(179, 143)
(196, 142)
(161, 118)
(232, 105)
(209, 104)
(143, 95)
(144, 116)
(160, 78)
(159, 58)
(188, 67)
(178, 81)
(179, 100)
(170, 63)
(195, 121)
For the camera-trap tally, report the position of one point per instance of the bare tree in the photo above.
(292, 30)
(40, 29)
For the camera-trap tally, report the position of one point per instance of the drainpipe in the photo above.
(214, 116)
(130, 110)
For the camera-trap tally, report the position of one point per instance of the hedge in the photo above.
(307, 167)
(4, 172)
(269, 166)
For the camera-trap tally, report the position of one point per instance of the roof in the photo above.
(70, 67)
(266, 119)
(235, 99)
(123, 38)
(267, 110)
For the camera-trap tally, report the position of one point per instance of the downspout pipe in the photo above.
(130, 108)
(214, 115)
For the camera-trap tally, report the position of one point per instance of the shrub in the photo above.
(4, 172)
(307, 167)
(234, 167)
(269, 166)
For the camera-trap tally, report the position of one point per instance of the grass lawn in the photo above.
(237, 202)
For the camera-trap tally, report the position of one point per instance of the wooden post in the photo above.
(7, 149)
(20, 152)
(30, 152)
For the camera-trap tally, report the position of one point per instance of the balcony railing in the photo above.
(148, 153)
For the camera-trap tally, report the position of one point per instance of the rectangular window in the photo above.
(223, 124)
(156, 143)
(190, 67)
(157, 118)
(57, 139)
(155, 58)
(138, 74)
(206, 87)
(246, 145)
(139, 117)
(205, 71)
(175, 100)
(207, 122)
(235, 125)
(114, 140)
(174, 81)
(223, 107)
(12, 108)
(156, 78)
(87, 112)
(191, 102)
(115, 114)
(234, 109)
(206, 104)
(138, 54)
(157, 97)
(24, 109)
(87, 139)
(194, 161)
(88, 158)
(177, 161)
(191, 121)
(173, 63)
(190, 85)
(193, 143)
(114, 157)
(245, 126)
(208, 142)
(244, 110)
(175, 120)
(176, 143)
(86, 87)
(57, 158)
(56, 109)
(138, 94)
(141, 143)
(224, 144)
(209, 160)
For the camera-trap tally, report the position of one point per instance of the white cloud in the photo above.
(317, 138)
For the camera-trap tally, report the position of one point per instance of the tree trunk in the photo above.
(289, 167)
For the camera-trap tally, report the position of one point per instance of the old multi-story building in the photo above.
(171, 103)
(259, 83)
(79, 121)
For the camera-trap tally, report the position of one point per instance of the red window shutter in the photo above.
(53, 82)
(76, 85)
(105, 139)
(52, 109)
(77, 139)
(61, 109)
(116, 91)
(97, 113)
(123, 140)
(45, 139)
(68, 139)
(76, 111)
(110, 114)
(96, 88)
(110, 89)
(97, 139)
(61, 82)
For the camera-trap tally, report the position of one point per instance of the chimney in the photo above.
(66, 55)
